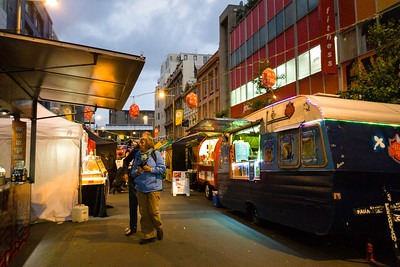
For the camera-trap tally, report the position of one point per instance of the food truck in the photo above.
(214, 151)
(323, 165)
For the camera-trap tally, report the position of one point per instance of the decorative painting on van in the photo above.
(289, 110)
(377, 141)
(394, 148)
(269, 151)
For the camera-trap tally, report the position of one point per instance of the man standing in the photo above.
(149, 168)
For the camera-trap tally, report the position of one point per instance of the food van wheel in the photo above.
(208, 191)
(252, 214)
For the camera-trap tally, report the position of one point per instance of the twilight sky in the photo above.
(152, 27)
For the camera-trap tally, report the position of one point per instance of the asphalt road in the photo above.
(195, 234)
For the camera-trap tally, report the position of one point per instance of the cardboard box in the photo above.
(80, 213)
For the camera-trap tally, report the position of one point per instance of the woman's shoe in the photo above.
(146, 241)
(129, 231)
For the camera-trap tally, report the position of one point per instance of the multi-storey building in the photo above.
(310, 43)
(122, 126)
(34, 19)
(177, 76)
(208, 91)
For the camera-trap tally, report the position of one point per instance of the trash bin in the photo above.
(215, 199)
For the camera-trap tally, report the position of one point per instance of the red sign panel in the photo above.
(327, 18)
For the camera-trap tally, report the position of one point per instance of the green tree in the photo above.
(378, 78)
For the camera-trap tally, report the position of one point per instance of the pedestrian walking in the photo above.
(133, 203)
(149, 167)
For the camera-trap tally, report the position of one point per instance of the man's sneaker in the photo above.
(129, 231)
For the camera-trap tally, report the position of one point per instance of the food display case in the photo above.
(2, 176)
(95, 185)
(93, 171)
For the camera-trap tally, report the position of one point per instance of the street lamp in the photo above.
(162, 95)
(19, 10)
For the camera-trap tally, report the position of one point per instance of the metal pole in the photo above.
(173, 117)
(19, 13)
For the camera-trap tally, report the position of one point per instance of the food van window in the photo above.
(289, 149)
(269, 151)
(312, 148)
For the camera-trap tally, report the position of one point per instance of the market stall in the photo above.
(187, 148)
(58, 145)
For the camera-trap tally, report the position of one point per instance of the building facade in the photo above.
(208, 91)
(122, 127)
(177, 75)
(310, 44)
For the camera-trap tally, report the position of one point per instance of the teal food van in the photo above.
(322, 164)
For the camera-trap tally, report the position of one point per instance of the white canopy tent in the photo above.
(58, 159)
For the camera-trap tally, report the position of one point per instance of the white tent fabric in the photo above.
(58, 144)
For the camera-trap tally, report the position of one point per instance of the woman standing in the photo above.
(149, 168)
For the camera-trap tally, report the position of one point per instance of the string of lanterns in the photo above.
(268, 78)
(191, 100)
(134, 111)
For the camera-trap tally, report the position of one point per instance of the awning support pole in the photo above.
(32, 161)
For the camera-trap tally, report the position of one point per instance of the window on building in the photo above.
(250, 46)
(289, 15)
(312, 4)
(349, 50)
(263, 36)
(211, 78)
(194, 57)
(315, 59)
(39, 25)
(185, 57)
(211, 109)
(205, 89)
(291, 71)
(250, 90)
(271, 29)
(301, 8)
(243, 93)
(281, 72)
(256, 41)
(280, 23)
(303, 67)
(205, 59)
(233, 97)
(243, 54)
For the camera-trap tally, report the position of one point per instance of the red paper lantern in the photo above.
(134, 111)
(191, 100)
(268, 78)
(88, 113)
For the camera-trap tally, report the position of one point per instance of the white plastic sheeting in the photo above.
(58, 144)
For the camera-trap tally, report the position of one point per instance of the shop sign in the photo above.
(327, 18)
(18, 143)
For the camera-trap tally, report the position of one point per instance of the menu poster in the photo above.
(242, 151)
(18, 143)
